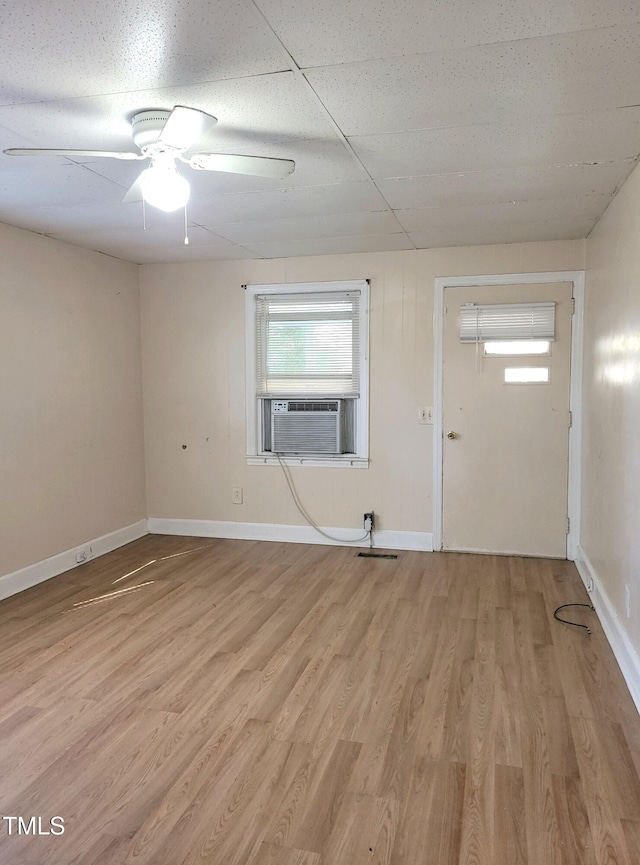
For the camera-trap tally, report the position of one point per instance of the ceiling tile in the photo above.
(595, 137)
(286, 203)
(55, 184)
(311, 227)
(516, 184)
(36, 219)
(202, 252)
(341, 31)
(587, 71)
(155, 244)
(122, 172)
(10, 138)
(331, 246)
(87, 217)
(506, 213)
(92, 47)
(170, 232)
(501, 233)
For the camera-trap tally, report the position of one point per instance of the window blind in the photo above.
(481, 323)
(308, 344)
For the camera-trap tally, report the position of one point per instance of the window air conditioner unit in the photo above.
(307, 426)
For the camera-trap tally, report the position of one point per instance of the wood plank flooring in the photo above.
(185, 701)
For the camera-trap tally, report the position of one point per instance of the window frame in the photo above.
(255, 456)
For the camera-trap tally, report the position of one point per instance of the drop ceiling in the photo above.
(412, 124)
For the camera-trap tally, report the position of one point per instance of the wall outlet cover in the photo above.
(425, 415)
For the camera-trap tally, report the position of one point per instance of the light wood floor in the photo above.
(244, 703)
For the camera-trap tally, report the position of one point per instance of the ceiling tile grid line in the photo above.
(485, 171)
(585, 138)
(446, 52)
(115, 93)
(590, 70)
(311, 90)
(516, 186)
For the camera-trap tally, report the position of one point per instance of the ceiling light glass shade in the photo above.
(164, 188)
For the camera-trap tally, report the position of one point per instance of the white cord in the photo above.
(303, 511)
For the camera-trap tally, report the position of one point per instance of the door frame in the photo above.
(575, 388)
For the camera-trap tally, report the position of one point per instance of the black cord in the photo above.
(566, 621)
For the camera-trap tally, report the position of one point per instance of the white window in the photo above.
(516, 347)
(526, 375)
(307, 373)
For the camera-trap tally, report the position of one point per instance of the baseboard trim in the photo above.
(615, 632)
(388, 540)
(25, 578)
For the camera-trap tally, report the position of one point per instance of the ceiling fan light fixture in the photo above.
(164, 188)
(164, 137)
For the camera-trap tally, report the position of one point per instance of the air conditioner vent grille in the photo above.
(307, 426)
(313, 406)
(292, 435)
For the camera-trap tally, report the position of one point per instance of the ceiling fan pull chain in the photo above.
(186, 233)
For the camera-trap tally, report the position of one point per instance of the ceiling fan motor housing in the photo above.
(146, 127)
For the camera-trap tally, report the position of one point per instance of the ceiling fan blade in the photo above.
(134, 193)
(259, 166)
(49, 151)
(184, 126)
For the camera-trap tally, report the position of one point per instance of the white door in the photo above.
(506, 445)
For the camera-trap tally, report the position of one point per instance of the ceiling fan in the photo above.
(164, 137)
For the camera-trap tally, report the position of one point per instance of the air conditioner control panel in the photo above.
(279, 406)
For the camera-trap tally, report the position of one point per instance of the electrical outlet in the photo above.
(84, 555)
(368, 519)
(425, 415)
(627, 600)
(237, 495)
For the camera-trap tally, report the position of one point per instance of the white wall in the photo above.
(194, 385)
(72, 455)
(611, 478)
(71, 442)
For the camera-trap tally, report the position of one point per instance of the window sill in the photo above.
(339, 462)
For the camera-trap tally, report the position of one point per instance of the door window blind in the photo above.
(508, 321)
(308, 344)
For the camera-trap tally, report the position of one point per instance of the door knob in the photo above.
(452, 435)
